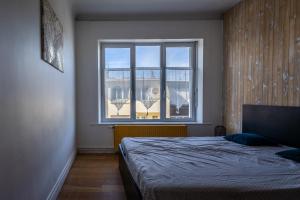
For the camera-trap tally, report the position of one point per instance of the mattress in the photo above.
(209, 168)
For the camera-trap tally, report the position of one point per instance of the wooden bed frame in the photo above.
(280, 123)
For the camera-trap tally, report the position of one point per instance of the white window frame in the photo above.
(163, 45)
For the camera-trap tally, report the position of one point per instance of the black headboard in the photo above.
(280, 123)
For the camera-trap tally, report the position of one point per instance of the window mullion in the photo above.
(163, 83)
(133, 80)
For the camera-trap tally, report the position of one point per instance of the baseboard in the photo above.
(95, 150)
(61, 179)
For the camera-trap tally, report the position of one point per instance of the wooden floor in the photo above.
(94, 177)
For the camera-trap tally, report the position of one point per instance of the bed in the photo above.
(209, 168)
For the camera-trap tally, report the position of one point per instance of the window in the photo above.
(148, 81)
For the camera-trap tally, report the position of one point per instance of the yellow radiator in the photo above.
(121, 131)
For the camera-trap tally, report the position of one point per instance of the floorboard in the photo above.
(94, 177)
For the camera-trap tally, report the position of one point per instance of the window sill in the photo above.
(148, 123)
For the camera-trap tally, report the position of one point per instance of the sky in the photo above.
(146, 56)
(149, 56)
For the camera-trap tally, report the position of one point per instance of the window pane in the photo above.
(147, 94)
(147, 56)
(117, 58)
(178, 57)
(179, 91)
(117, 94)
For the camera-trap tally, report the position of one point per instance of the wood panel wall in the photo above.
(261, 56)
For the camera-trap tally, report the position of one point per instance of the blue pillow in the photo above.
(250, 139)
(293, 154)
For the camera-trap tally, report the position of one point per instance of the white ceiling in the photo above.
(151, 9)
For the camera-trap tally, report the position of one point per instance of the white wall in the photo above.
(37, 107)
(88, 33)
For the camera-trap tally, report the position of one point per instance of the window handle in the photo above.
(196, 97)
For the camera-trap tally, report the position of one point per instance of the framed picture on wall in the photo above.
(51, 37)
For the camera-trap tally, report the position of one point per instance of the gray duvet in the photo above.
(209, 168)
